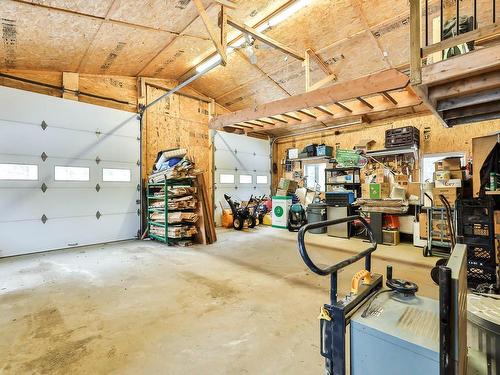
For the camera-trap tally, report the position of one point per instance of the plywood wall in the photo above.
(181, 122)
(434, 138)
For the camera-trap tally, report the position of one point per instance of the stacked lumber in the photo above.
(206, 225)
(176, 231)
(183, 169)
(175, 217)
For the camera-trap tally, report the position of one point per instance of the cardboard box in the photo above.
(401, 178)
(448, 164)
(457, 174)
(281, 192)
(422, 221)
(414, 188)
(497, 222)
(454, 182)
(288, 185)
(450, 193)
(293, 153)
(380, 175)
(441, 175)
(375, 191)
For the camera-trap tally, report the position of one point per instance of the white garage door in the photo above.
(69, 173)
(242, 168)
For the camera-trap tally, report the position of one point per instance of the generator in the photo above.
(389, 329)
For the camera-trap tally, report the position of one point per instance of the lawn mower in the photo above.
(376, 330)
(241, 214)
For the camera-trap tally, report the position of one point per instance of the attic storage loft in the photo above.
(232, 157)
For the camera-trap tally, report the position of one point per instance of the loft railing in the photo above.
(419, 51)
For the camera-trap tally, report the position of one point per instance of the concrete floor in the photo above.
(245, 305)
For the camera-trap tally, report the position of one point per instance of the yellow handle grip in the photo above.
(358, 276)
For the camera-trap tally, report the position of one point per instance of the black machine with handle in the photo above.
(336, 315)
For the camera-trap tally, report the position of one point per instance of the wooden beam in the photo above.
(323, 82)
(381, 106)
(361, 100)
(340, 105)
(473, 63)
(307, 67)
(469, 100)
(278, 119)
(263, 38)
(226, 3)
(307, 113)
(482, 32)
(324, 110)
(223, 28)
(325, 68)
(211, 30)
(291, 116)
(70, 85)
(469, 85)
(388, 96)
(265, 122)
(476, 118)
(489, 107)
(372, 84)
(415, 43)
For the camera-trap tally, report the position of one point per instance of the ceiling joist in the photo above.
(373, 84)
(216, 40)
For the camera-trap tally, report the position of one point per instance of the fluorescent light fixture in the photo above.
(209, 63)
(273, 21)
(283, 15)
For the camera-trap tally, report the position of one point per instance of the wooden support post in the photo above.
(70, 85)
(263, 38)
(211, 31)
(415, 43)
(307, 67)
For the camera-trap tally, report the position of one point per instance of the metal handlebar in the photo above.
(333, 269)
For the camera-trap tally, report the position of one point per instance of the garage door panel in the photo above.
(66, 232)
(69, 206)
(106, 120)
(238, 155)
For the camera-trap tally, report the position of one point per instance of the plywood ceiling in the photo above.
(166, 39)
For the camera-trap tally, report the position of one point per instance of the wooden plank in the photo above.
(265, 122)
(324, 110)
(264, 38)
(325, 68)
(223, 28)
(323, 82)
(278, 119)
(70, 85)
(464, 101)
(473, 63)
(415, 43)
(388, 96)
(469, 85)
(372, 84)
(307, 67)
(490, 107)
(211, 30)
(226, 3)
(254, 124)
(361, 100)
(340, 105)
(307, 113)
(482, 32)
(291, 116)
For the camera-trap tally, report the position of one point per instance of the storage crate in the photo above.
(482, 253)
(400, 137)
(339, 199)
(390, 237)
(475, 218)
(323, 150)
(480, 273)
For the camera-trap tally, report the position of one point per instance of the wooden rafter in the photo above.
(389, 97)
(364, 102)
(369, 85)
(343, 107)
(226, 3)
(278, 119)
(211, 31)
(307, 113)
(291, 116)
(264, 38)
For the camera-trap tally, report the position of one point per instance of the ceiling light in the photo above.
(209, 63)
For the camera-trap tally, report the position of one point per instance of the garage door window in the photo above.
(226, 178)
(262, 179)
(72, 173)
(18, 172)
(115, 175)
(245, 179)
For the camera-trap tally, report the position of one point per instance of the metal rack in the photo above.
(150, 189)
(354, 186)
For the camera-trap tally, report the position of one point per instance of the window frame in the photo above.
(118, 169)
(226, 174)
(66, 180)
(23, 179)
